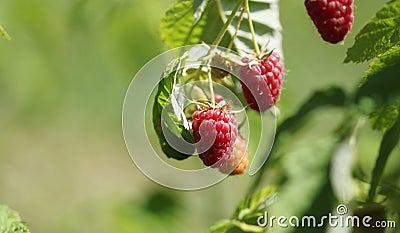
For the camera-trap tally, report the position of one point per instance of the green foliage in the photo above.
(4, 34)
(378, 35)
(171, 124)
(305, 189)
(199, 6)
(265, 18)
(233, 226)
(381, 81)
(10, 221)
(191, 22)
(380, 39)
(332, 96)
(254, 205)
(384, 117)
(159, 213)
(177, 27)
(249, 209)
(390, 139)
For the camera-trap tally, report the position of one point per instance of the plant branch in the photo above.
(227, 23)
(253, 35)
(237, 28)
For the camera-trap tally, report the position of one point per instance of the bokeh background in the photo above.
(63, 77)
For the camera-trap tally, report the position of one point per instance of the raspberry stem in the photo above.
(253, 35)
(237, 28)
(210, 83)
(223, 30)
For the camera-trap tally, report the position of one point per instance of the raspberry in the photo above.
(262, 81)
(214, 131)
(238, 162)
(333, 18)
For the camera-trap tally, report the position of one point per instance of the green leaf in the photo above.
(389, 141)
(177, 27)
(221, 226)
(4, 34)
(381, 82)
(244, 227)
(265, 18)
(247, 212)
(189, 22)
(306, 189)
(226, 225)
(10, 221)
(256, 203)
(170, 125)
(378, 35)
(384, 117)
(332, 96)
(213, 25)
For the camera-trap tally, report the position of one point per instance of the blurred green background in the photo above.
(63, 77)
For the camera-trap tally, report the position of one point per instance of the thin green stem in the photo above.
(253, 35)
(236, 28)
(210, 83)
(227, 23)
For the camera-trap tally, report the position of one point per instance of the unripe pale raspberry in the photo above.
(239, 160)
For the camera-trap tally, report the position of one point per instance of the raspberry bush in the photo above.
(259, 85)
(300, 177)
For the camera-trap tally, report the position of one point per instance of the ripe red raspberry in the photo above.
(239, 160)
(262, 81)
(214, 131)
(333, 18)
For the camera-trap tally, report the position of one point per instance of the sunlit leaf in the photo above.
(384, 117)
(227, 226)
(189, 22)
(255, 203)
(378, 35)
(177, 27)
(221, 226)
(10, 221)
